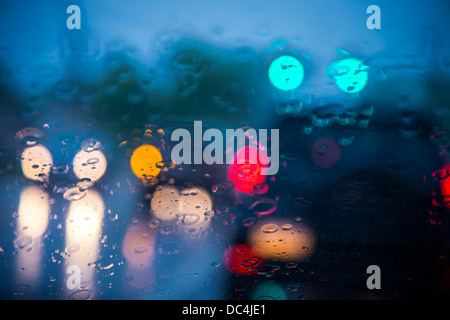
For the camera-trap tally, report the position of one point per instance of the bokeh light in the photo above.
(89, 165)
(32, 222)
(244, 173)
(33, 212)
(165, 202)
(82, 236)
(350, 74)
(144, 161)
(286, 73)
(325, 152)
(190, 210)
(36, 162)
(280, 239)
(445, 184)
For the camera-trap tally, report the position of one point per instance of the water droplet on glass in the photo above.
(81, 295)
(248, 222)
(169, 248)
(141, 248)
(302, 202)
(29, 136)
(188, 219)
(166, 230)
(90, 145)
(264, 206)
(222, 187)
(269, 228)
(74, 194)
(23, 242)
(154, 223)
(216, 264)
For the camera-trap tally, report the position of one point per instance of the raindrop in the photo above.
(286, 226)
(166, 230)
(154, 223)
(188, 61)
(90, 145)
(345, 141)
(22, 289)
(73, 248)
(188, 219)
(169, 248)
(29, 136)
(92, 161)
(268, 270)
(23, 242)
(242, 248)
(65, 90)
(248, 222)
(81, 295)
(302, 202)
(263, 206)
(141, 248)
(74, 194)
(251, 263)
(222, 187)
(84, 184)
(269, 228)
(291, 108)
(291, 264)
(261, 188)
(293, 287)
(60, 168)
(216, 264)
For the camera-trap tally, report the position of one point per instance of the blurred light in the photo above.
(165, 202)
(240, 259)
(83, 231)
(325, 152)
(89, 164)
(33, 213)
(32, 222)
(444, 178)
(350, 74)
(278, 239)
(144, 161)
(138, 248)
(286, 73)
(191, 210)
(36, 163)
(244, 173)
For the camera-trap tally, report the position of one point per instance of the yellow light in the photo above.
(144, 161)
(36, 163)
(278, 239)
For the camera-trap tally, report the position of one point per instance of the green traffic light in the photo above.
(286, 73)
(350, 74)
